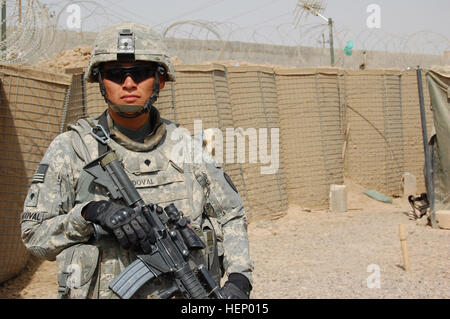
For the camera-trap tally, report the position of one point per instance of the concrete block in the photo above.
(409, 185)
(338, 198)
(443, 218)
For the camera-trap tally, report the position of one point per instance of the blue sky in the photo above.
(414, 24)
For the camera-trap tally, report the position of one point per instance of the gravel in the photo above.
(348, 255)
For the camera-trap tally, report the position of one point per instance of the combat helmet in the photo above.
(128, 42)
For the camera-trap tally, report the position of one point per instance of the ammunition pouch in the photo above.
(212, 254)
(76, 267)
(212, 236)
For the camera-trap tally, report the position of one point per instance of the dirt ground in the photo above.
(319, 254)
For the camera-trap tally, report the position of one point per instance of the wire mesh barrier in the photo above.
(208, 101)
(76, 106)
(375, 149)
(201, 93)
(311, 139)
(331, 123)
(31, 112)
(254, 105)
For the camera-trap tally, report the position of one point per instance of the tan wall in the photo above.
(254, 106)
(201, 93)
(310, 121)
(375, 157)
(31, 112)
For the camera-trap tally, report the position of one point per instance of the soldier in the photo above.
(131, 64)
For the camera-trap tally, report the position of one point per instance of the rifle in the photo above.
(174, 239)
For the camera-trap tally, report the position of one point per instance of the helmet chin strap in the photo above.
(124, 109)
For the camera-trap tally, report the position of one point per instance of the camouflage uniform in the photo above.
(53, 227)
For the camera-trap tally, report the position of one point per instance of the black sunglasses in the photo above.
(138, 73)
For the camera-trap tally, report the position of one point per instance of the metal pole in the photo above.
(428, 165)
(20, 11)
(3, 29)
(3, 20)
(330, 23)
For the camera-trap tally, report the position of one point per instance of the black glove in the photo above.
(237, 287)
(130, 228)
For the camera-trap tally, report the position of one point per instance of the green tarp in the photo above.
(438, 80)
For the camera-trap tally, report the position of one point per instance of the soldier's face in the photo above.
(130, 91)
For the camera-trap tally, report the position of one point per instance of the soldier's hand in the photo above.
(129, 227)
(237, 287)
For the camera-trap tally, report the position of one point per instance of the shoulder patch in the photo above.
(228, 179)
(32, 197)
(39, 174)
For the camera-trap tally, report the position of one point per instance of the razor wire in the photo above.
(67, 36)
(26, 30)
(372, 47)
(35, 31)
(195, 30)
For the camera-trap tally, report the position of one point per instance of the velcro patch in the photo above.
(39, 174)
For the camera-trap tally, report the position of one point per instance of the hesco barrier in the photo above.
(367, 120)
(77, 103)
(201, 93)
(95, 102)
(311, 125)
(253, 95)
(375, 157)
(32, 108)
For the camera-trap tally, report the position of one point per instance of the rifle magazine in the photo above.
(131, 279)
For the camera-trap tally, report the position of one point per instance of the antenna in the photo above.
(315, 7)
(306, 7)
